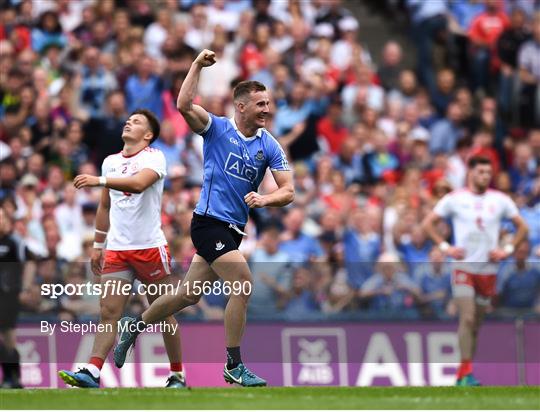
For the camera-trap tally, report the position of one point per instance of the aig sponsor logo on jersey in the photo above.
(236, 167)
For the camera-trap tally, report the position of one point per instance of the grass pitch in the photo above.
(275, 398)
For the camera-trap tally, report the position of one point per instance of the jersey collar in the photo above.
(132, 155)
(258, 134)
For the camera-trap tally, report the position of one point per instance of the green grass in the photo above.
(275, 398)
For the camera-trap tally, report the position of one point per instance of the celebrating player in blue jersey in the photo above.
(237, 152)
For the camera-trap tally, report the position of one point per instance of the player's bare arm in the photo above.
(522, 230)
(282, 196)
(102, 227)
(196, 116)
(428, 225)
(137, 183)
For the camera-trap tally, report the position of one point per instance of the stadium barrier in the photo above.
(288, 354)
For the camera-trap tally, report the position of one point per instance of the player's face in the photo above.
(481, 177)
(257, 108)
(136, 129)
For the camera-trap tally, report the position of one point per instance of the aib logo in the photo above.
(38, 358)
(236, 167)
(314, 356)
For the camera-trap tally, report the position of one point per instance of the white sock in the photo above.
(179, 374)
(93, 369)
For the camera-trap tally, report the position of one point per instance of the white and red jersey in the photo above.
(476, 220)
(135, 218)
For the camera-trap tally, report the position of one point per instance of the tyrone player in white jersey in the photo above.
(129, 219)
(476, 213)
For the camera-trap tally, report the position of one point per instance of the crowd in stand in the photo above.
(374, 142)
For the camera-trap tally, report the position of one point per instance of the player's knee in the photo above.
(109, 313)
(467, 320)
(243, 286)
(189, 298)
(171, 320)
(242, 291)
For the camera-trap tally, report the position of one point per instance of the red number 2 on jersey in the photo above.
(479, 223)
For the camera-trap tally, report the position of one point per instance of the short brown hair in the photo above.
(246, 87)
(478, 160)
(153, 121)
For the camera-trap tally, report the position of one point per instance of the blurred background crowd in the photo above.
(375, 136)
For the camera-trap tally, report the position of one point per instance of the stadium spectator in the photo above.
(8, 179)
(462, 13)
(48, 31)
(483, 145)
(143, 89)
(341, 199)
(446, 132)
(362, 94)
(349, 161)
(519, 280)
(379, 163)
(362, 246)
(434, 280)
(428, 19)
(419, 156)
(444, 92)
(345, 49)
(68, 216)
(169, 144)
(508, 46)
(485, 30)
(406, 89)
(156, 33)
(225, 68)
(414, 247)
(298, 108)
(299, 247)
(304, 185)
(391, 66)
(199, 35)
(529, 70)
(330, 240)
(272, 277)
(522, 173)
(331, 129)
(301, 302)
(78, 306)
(531, 215)
(96, 82)
(389, 291)
(102, 131)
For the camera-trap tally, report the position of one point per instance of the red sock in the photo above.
(97, 362)
(464, 369)
(176, 366)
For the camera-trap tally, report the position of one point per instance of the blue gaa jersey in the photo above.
(234, 165)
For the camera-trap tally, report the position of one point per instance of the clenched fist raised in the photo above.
(206, 58)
